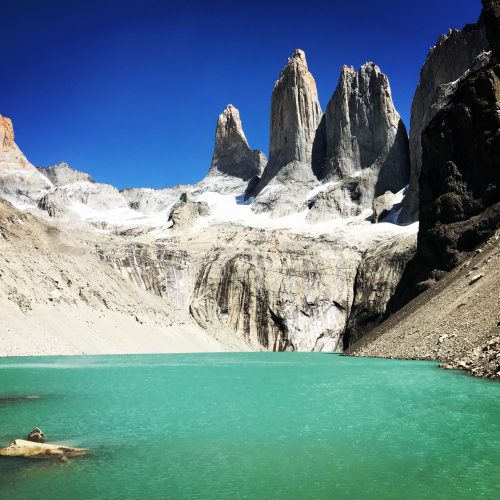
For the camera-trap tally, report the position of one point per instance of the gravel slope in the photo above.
(456, 320)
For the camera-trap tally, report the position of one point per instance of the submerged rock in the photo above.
(28, 449)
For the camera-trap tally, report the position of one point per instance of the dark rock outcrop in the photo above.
(455, 54)
(232, 154)
(36, 436)
(295, 115)
(459, 183)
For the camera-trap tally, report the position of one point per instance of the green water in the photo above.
(256, 425)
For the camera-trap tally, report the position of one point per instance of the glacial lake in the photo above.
(251, 425)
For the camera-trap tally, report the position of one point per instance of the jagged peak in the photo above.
(232, 154)
(298, 57)
(229, 122)
(6, 132)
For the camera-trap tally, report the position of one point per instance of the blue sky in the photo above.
(130, 90)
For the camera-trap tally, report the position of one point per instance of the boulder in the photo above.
(29, 449)
(382, 205)
(36, 435)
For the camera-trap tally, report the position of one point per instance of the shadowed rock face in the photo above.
(362, 130)
(361, 140)
(455, 54)
(460, 178)
(232, 154)
(295, 115)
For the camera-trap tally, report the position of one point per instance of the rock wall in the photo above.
(271, 289)
(454, 55)
(6, 133)
(459, 184)
(378, 275)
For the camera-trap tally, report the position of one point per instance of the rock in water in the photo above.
(295, 115)
(28, 449)
(362, 138)
(460, 179)
(382, 205)
(36, 435)
(232, 154)
(455, 54)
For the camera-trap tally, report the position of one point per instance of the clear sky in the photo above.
(130, 90)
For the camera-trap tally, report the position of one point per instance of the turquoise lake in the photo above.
(251, 425)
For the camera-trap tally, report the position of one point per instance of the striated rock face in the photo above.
(62, 174)
(460, 179)
(232, 154)
(271, 289)
(28, 449)
(362, 138)
(455, 54)
(295, 115)
(6, 133)
(378, 275)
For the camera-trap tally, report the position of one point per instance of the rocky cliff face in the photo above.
(362, 140)
(455, 54)
(20, 182)
(232, 154)
(271, 289)
(295, 115)
(6, 133)
(377, 277)
(459, 184)
(362, 130)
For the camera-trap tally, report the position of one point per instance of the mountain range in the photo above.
(351, 235)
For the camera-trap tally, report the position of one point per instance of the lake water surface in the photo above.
(251, 425)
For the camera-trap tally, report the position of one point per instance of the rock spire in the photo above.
(295, 115)
(232, 154)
